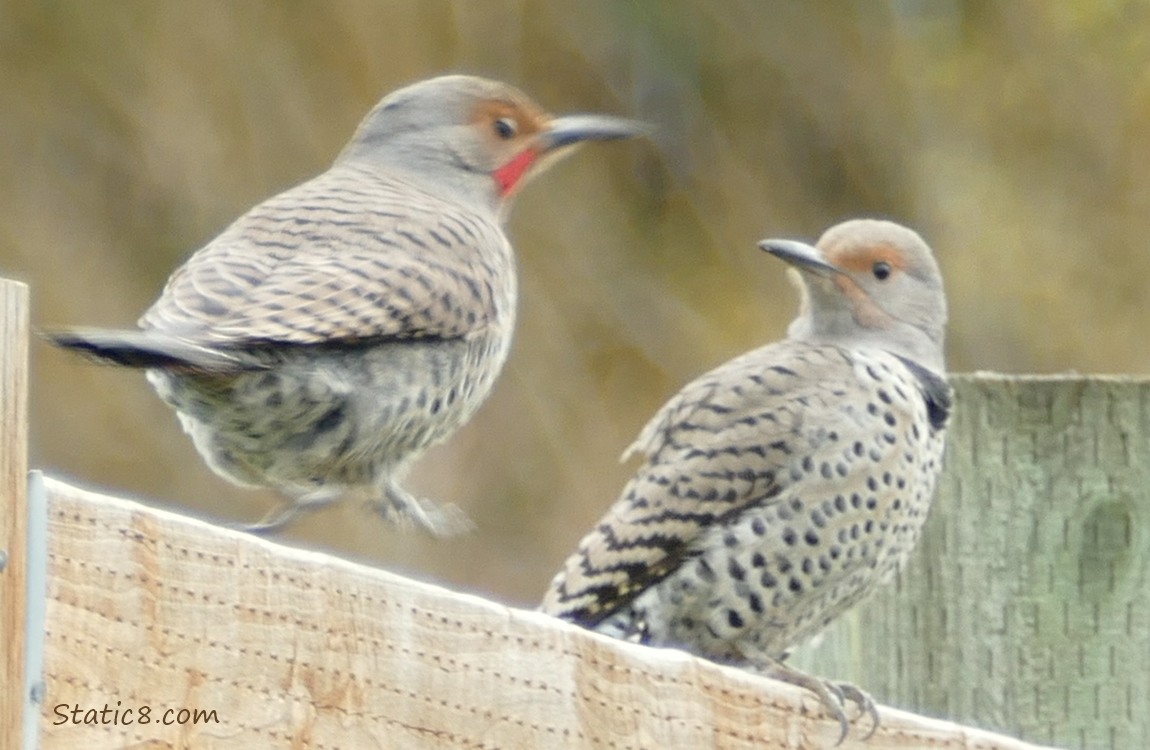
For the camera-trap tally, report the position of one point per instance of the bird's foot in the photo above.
(404, 509)
(274, 520)
(288, 511)
(834, 695)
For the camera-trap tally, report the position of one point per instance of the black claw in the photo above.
(836, 709)
(866, 705)
(845, 725)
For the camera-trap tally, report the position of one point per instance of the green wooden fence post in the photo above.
(1026, 607)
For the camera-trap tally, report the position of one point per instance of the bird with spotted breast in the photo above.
(336, 330)
(784, 486)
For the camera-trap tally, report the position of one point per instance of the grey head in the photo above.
(869, 282)
(478, 138)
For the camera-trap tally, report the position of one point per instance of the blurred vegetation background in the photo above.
(1014, 135)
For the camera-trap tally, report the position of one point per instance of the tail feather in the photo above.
(149, 349)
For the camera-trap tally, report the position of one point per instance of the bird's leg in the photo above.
(399, 506)
(833, 695)
(288, 511)
(275, 519)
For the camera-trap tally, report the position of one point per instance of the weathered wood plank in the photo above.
(1026, 608)
(13, 506)
(292, 648)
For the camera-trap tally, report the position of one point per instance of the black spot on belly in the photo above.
(328, 422)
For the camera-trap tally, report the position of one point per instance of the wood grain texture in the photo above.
(1026, 607)
(292, 648)
(13, 505)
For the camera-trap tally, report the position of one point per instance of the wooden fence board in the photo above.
(291, 648)
(13, 508)
(1026, 607)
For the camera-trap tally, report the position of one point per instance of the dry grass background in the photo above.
(1014, 135)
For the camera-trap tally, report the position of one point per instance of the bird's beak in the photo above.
(572, 129)
(554, 142)
(800, 255)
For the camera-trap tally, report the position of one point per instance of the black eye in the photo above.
(506, 128)
(881, 270)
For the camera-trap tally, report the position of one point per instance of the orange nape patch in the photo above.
(862, 259)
